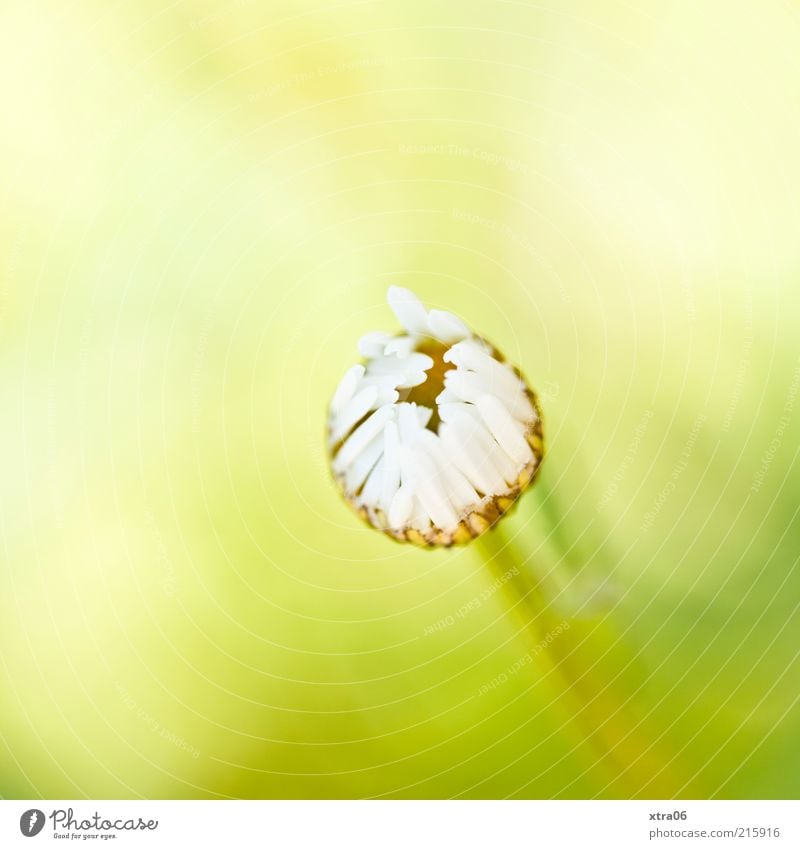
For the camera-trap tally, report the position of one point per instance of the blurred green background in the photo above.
(202, 207)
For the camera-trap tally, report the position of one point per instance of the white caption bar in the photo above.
(386, 825)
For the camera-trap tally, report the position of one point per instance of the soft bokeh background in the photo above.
(202, 206)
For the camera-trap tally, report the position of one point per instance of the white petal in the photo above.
(464, 385)
(419, 516)
(400, 346)
(504, 429)
(428, 486)
(496, 458)
(408, 421)
(501, 461)
(452, 410)
(386, 382)
(460, 492)
(391, 465)
(446, 397)
(469, 386)
(373, 344)
(405, 371)
(486, 481)
(409, 310)
(358, 470)
(518, 406)
(346, 388)
(382, 381)
(371, 492)
(424, 415)
(401, 507)
(399, 365)
(412, 379)
(387, 385)
(484, 452)
(468, 355)
(354, 410)
(363, 435)
(498, 378)
(446, 327)
(387, 397)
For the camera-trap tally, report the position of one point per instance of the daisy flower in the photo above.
(433, 436)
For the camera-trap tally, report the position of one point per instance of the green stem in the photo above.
(580, 662)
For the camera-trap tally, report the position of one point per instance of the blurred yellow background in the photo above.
(203, 206)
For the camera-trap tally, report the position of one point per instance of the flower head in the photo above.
(433, 437)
